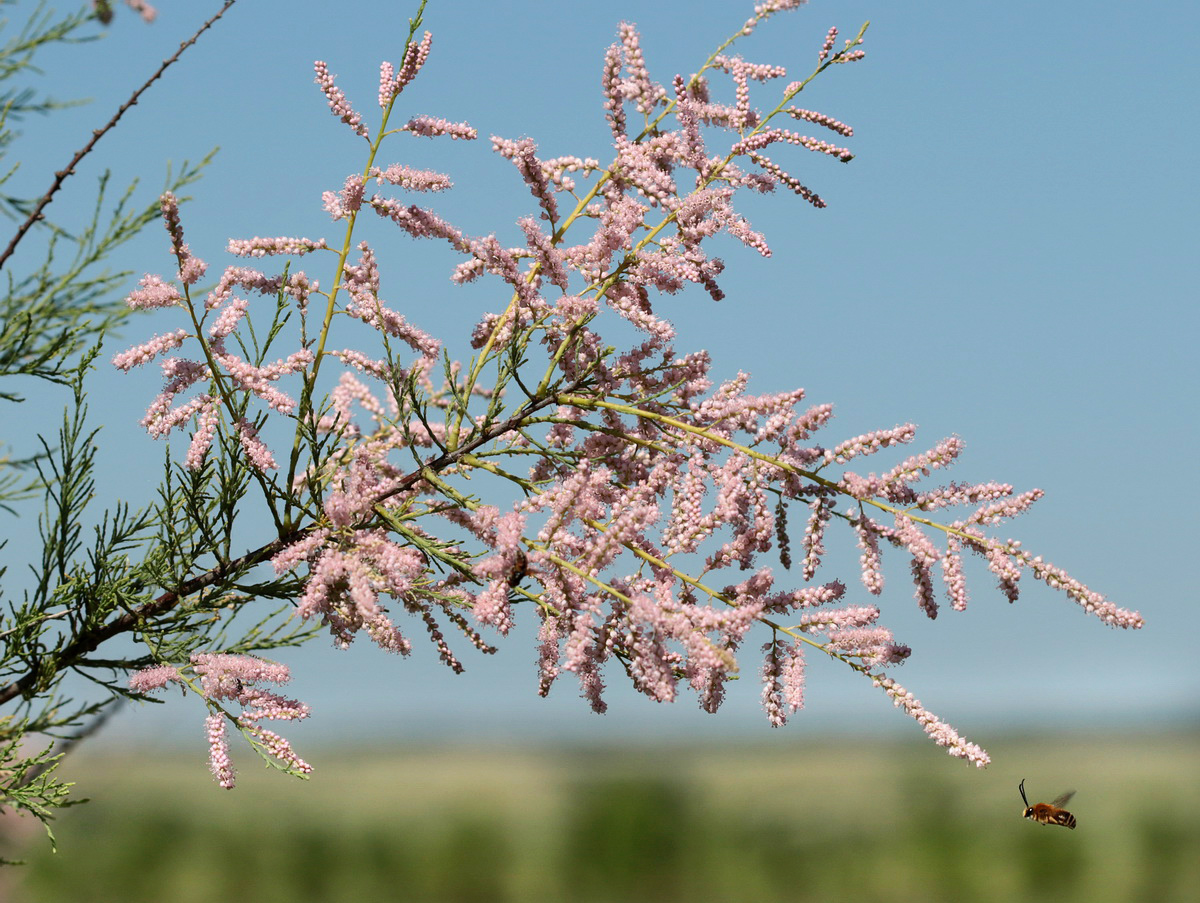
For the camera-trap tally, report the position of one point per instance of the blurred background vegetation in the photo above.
(796, 820)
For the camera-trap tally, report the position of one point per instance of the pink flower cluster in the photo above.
(821, 119)
(338, 104)
(227, 373)
(222, 678)
(937, 730)
(828, 45)
(644, 481)
(392, 83)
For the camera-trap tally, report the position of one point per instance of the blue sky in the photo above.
(1005, 260)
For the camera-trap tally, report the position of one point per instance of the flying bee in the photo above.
(1049, 813)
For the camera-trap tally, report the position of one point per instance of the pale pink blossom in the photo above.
(256, 450)
(521, 153)
(821, 119)
(614, 100)
(218, 751)
(828, 45)
(224, 676)
(191, 269)
(1004, 509)
(153, 293)
(783, 681)
(793, 184)
(386, 74)
(341, 204)
(149, 350)
(870, 443)
(952, 574)
(277, 747)
(206, 430)
(941, 455)
(338, 104)
(153, 678)
(413, 179)
(415, 55)
(228, 321)
(418, 222)
(871, 558)
(432, 127)
(637, 85)
(940, 732)
(161, 418)
(261, 247)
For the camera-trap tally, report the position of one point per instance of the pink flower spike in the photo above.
(153, 678)
(871, 559)
(228, 321)
(386, 73)
(792, 675)
(432, 127)
(153, 293)
(952, 574)
(1000, 510)
(206, 430)
(341, 204)
(413, 179)
(869, 443)
(260, 456)
(793, 184)
(218, 669)
(338, 104)
(170, 214)
(148, 351)
(828, 45)
(614, 100)
(161, 418)
(940, 732)
(821, 119)
(192, 269)
(260, 247)
(415, 56)
(636, 85)
(772, 691)
(941, 455)
(278, 748)
(218, 751)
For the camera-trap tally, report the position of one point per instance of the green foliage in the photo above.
(41, 29)
(32, 785)
(56, 310)
(100, 574)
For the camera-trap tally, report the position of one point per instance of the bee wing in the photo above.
(1060, 801)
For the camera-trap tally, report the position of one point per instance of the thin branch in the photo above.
(90, 640)
(61, 175)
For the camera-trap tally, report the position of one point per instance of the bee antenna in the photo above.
(1021, 787)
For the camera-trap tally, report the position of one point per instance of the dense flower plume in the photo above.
(220, 678)
(640, 480)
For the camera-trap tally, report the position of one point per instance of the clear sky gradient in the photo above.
(1009, 258)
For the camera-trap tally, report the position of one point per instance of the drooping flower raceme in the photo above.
(638, 481)
(220, 679)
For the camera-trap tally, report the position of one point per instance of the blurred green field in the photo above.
(793, 821)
